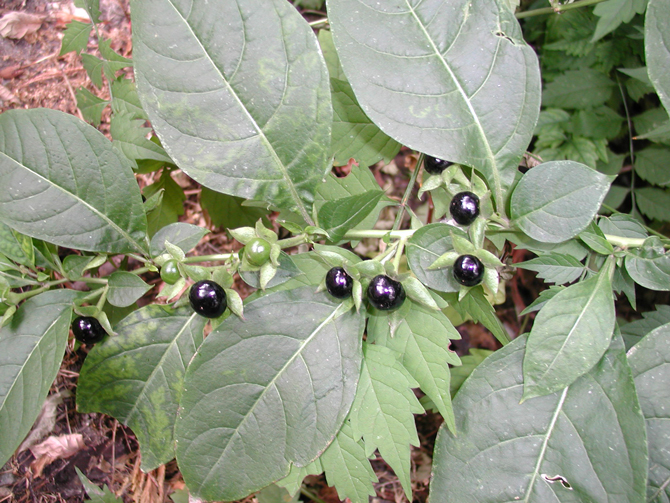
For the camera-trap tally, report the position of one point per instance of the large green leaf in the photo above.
(657, 48)
(650, 362)
(63, 182)
(237, 91)
(137, 376)
(569, 336)
(31, 351)
(556, 200)
(265, 392)
(583, 444)
(453, 79)
(651, 272)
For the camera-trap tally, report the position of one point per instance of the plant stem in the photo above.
(318, 22)
(556, 10)
(398, 253)
(15, 298)
(311, 495)
(630, 146)
(646, 227)
(408, 192)
(623, 242)
(356, 235)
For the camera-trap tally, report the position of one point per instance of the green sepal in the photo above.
(430, 183)
(357, 294)
(235, 303)
(265, 233)
(462, 245)
(419, 293)
(444, 260)
(222, 276)
(477, 231)
(176, 252)
(195, 272)
(275, 250)
(169, 292)
(243, 234)
(488, 258)
(370, 268)
(491, 280)
(268, 271)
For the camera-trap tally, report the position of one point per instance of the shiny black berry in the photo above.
(464, 207)
(435, 166)
(208, 299)
(339, 283)
(468, 270)
(88, 330)
(385, 293)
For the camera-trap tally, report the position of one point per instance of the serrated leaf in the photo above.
(31, 350)
(581, 89)
(554, 268)
(95, 494)
(654, 202)
(259, 90)
(341, 215)
(548, 448)
(556, 200)
(447, 112)
(569, 336)
(382, 412)
(265, 392)
(650, 364)
(657, 48)
(651, 272)
(635, 330)
(90, 105)
(130, 136)
(423, 341)
(612, 13)
(88, 196)
(651, 164)
(125, 99)
(125, 288)
(75, 37)
(180, 234)
(293, 481)
(137, 376)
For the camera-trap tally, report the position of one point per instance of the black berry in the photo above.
(385, 293)
(339, 283)
(208, 299)
(464, 207)
(435, 166)
(468, 270)
(88, 330)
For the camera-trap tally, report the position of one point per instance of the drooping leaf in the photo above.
(556, 200)
(137, 376)
(569, 336)
(635, 330)
(553, 448)
(423, 340)
(180, 234)
(31, 351)
(228, 211)
(341, 215)
(266, 392)
(481, 115)
(65, 183)
(657, 48)
(75, 37)
(554, 268)
(125, 288)
(614, 12)
(650, 363)
(246, 112)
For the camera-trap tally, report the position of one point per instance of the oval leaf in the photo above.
(265, 392)
(65, 183)
(650, 362)
(246, 112)
(185, 236)
(341, 215)
(657, 48)
(454, 80)
(137, 376)
(557, 200)
(31, 351)
(125, 288)
(586, 443)
(652, 272)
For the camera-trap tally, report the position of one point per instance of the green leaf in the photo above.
(125, 99)
(555, 268)
(650, 363)
(425, 246)
(556, 448)
(622, 225)
(95, 494)
(341, 215)
(556, 200)
(171, 205)
(180, 234)
(569, 336)
(228, 211)
(130, 136)
(654, 202)
(382, 412)
(347, 468)
(90, 105)
(651, 164)
(601, 122)
(93, 66)
(284, 273)
(137, 376)
(423, 341)
(247, 112)
(595, 239)
(75, 37)
(88, 196)
(651, 272)
(31, 352)
(542, 299)
(479, 114)
(612, 13)
(475, 306)
(635, 330)
(266, 392)
(581, 89)
(657, 48)
(92, 7)
(469, 363)
(125, 288)
(16, 247)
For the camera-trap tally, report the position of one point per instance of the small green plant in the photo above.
(317, 369)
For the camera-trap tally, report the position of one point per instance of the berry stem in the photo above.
(408, 192)
(15, 298)
(557, 9)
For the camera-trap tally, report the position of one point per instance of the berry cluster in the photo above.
(383, 292)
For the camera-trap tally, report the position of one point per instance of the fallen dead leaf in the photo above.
(54, 448)
(6, 96)
(45, 421)
(20, 25)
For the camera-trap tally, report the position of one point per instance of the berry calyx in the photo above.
(88, 330)
(338, 283)
(257, 251)
(208, 298)
(435, 166)
(170, 272)
(464, 207)
(385, 293)
(468, 270)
